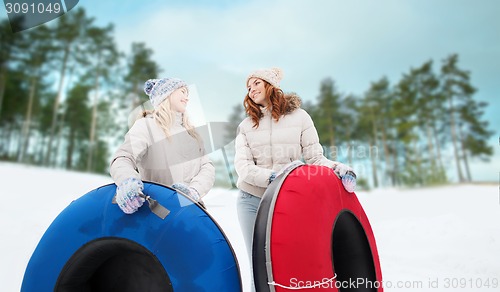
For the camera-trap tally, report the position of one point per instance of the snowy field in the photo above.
(430, 239)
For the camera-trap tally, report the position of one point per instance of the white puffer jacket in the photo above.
(272, 145)
(147, 154)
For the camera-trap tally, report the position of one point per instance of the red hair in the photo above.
(277, 102)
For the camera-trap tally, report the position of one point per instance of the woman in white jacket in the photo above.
(275, 135)
(162, 147)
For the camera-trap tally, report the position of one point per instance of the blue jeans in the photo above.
(247, 206)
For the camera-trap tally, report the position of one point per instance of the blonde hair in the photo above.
(165, 117)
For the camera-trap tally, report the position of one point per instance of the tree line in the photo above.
(404, 131)
(409, 128)
(66, 90)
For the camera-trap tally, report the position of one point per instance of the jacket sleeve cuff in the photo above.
(262, 178)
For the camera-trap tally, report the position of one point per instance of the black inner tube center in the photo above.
(113, 264)
(352, 256)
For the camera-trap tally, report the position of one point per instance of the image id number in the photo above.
(39, 8)
(477, 283)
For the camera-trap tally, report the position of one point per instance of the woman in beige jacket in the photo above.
(274, 136)
(162, 147)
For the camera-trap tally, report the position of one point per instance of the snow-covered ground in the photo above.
(431, 239)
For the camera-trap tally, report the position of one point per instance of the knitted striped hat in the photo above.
(160, 89)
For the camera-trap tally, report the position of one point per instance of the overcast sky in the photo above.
(215, 44)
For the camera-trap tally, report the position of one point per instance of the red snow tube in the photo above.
(317, 234)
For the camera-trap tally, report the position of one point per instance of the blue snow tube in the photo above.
(93, 246)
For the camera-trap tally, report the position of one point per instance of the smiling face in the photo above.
(257, 91)
(179, 99)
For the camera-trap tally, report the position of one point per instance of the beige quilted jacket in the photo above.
(148, 155)
(269, 147)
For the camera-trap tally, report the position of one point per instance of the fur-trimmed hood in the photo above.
(294, 101)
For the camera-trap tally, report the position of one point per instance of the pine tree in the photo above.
(365, 129)
(11, 120)
(103, 55)
(348, 119)
(35, 62)
(77, 121)
(105, 130)
(375, 122)
(407, 163)
(473, 133)
(458, 91)
(141, 67)
(10, 45)
(69, 31)
(423, 86)
(327, 115)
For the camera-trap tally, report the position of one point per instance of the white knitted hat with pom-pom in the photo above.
(273, 76)
(160, 89)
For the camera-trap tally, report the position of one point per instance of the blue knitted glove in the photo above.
(187, 190)
(127, 195)
(271, 177)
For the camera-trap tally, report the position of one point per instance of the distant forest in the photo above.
(403, 129)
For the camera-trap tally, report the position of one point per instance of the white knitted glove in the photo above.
(347, 175)
(340, 169)
(127, 195)
(349, 181)
(187, 190)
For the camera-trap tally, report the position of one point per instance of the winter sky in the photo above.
(215, 44)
